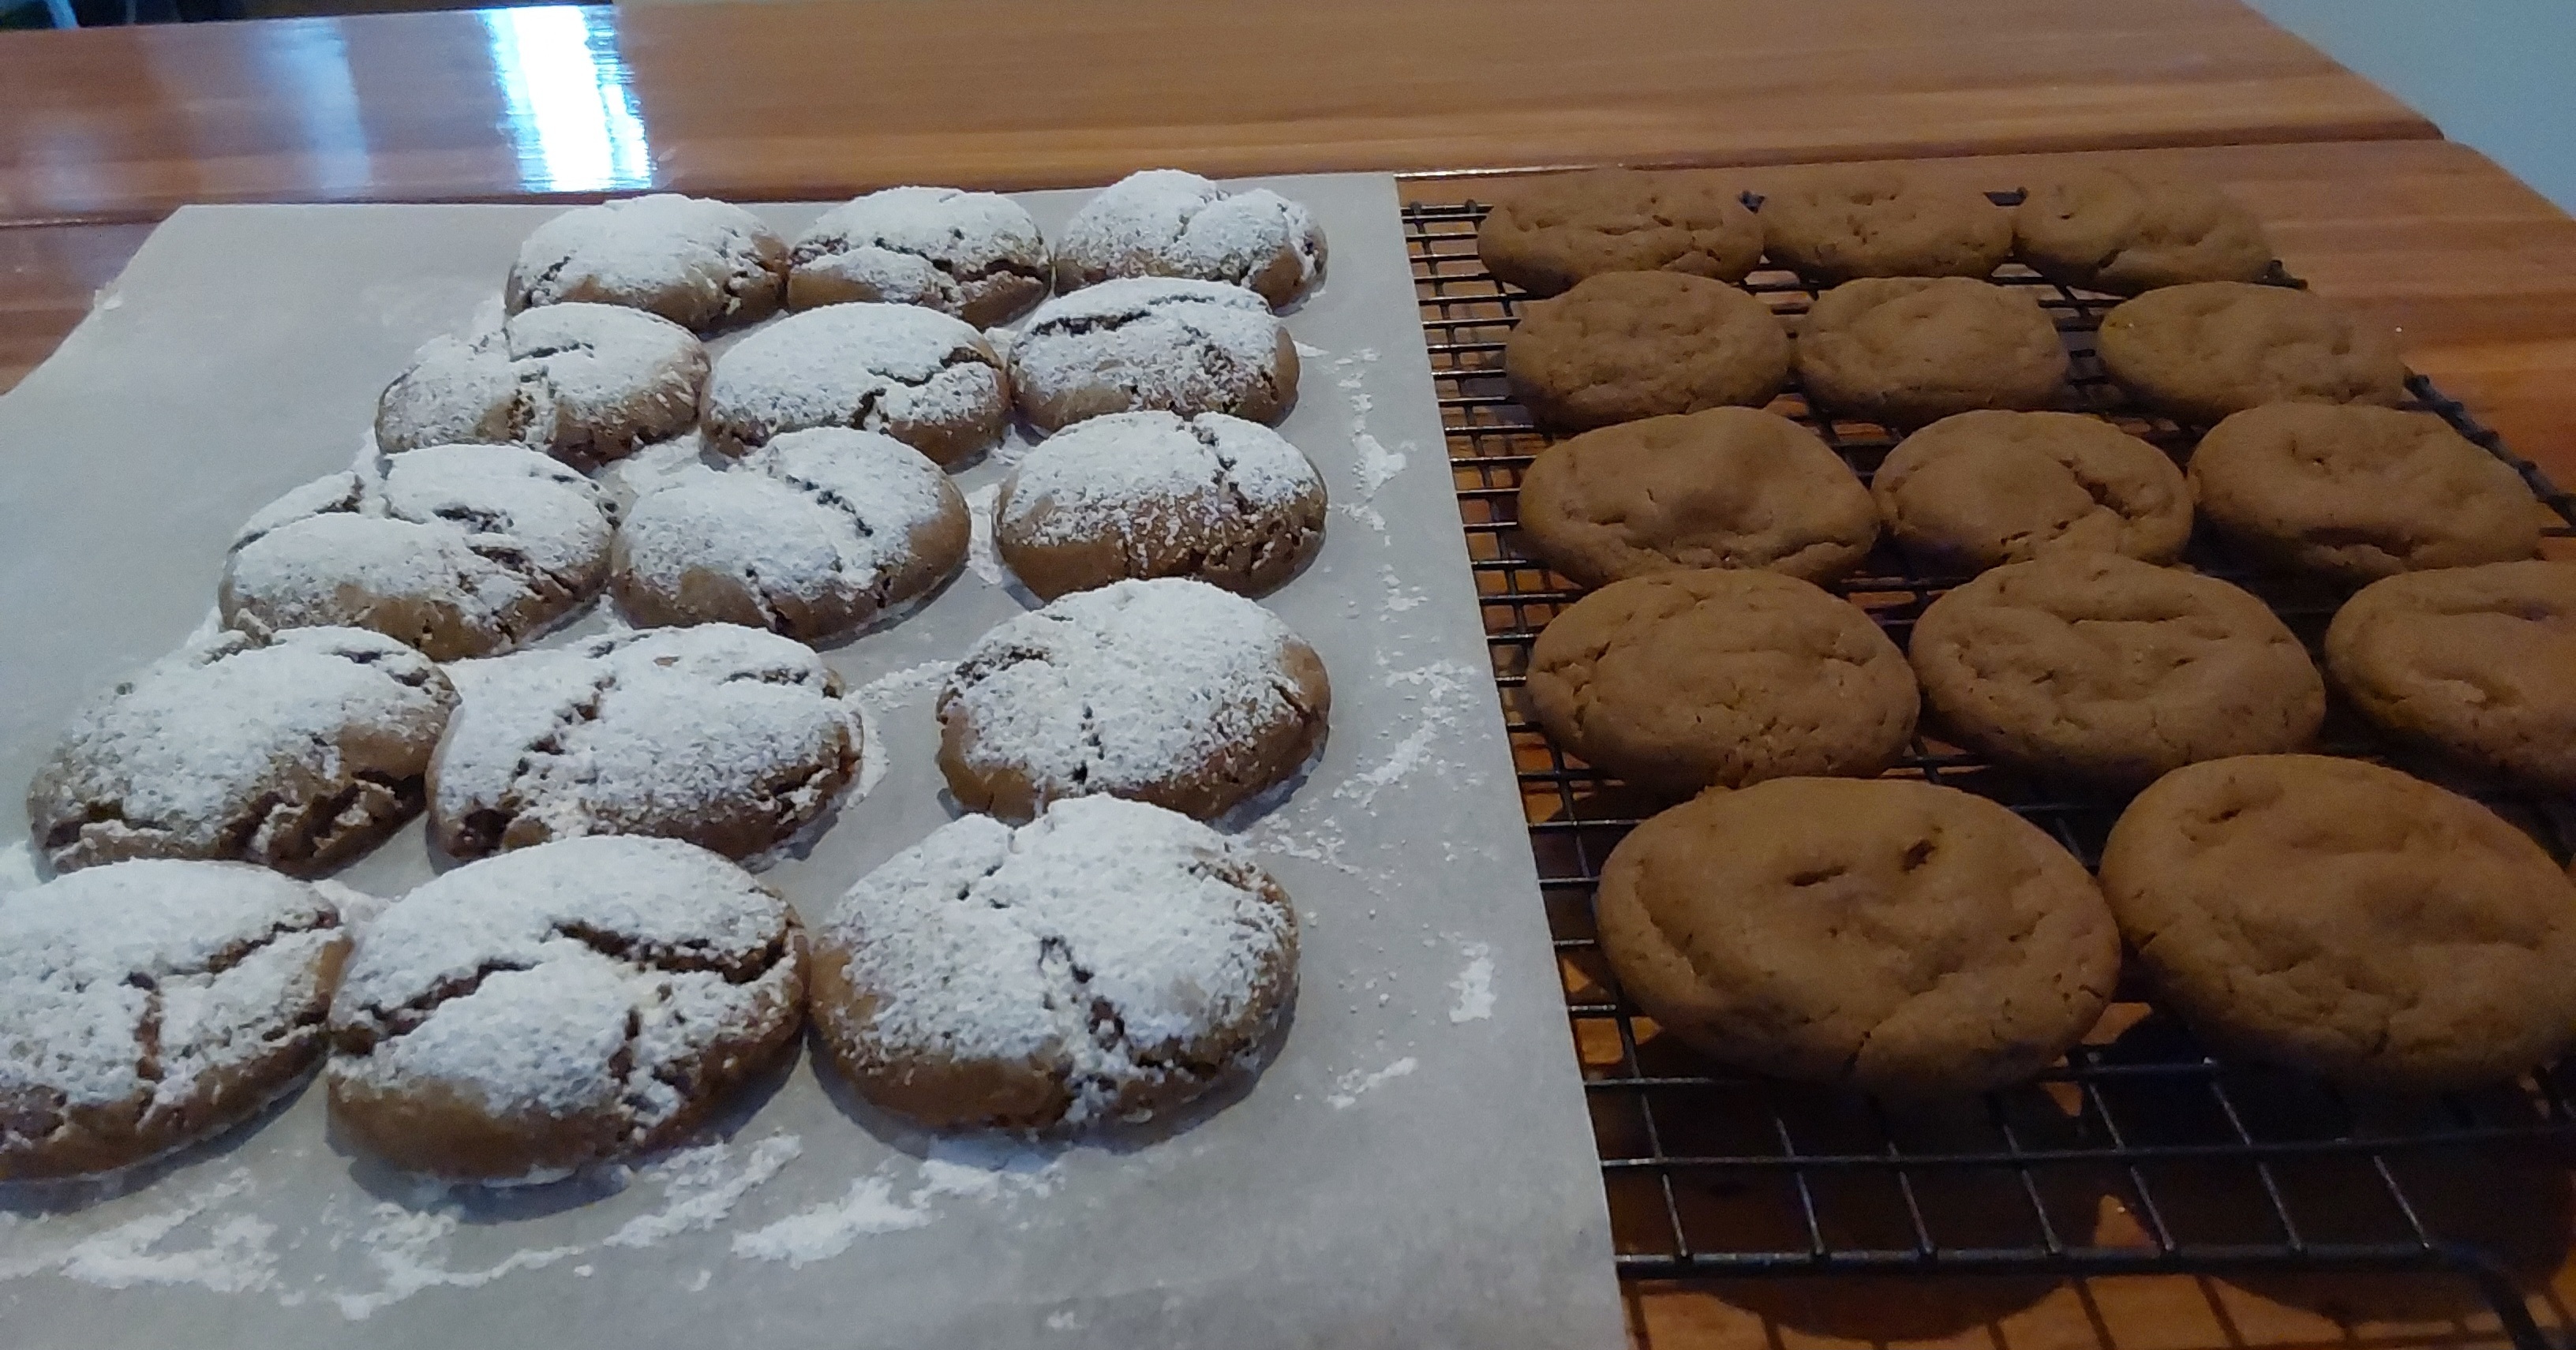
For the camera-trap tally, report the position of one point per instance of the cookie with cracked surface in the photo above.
(2200, 352)
(2475, 663)
(1626, 345)
(580, 1002)
(700, 263)
(1170, 223)
(976, 255)
(1684, 680)
(925, 378)
(1545, 234)
(1167, 691)
(727, 737)
(1833, 225)
(1889, 935)
(1153, 344)
(582, 382)
(815, 535)
(298, 751)
(147, 1005)
(1151, 494)
(1981, 489)
(1108, 961)
(2117, 231)
(2342, 918)
(1910, 350)
(1729, 487)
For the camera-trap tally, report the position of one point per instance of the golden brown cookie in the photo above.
(1979, 489)
(1836, 224)
(2117, 231)
(2476, 663)
(2199, 352)
(1908, 350)
(1547, 233)
(1626, 345)
(700, 263)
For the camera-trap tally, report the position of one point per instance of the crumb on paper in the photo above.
(1474, 986)
(1351, 1085)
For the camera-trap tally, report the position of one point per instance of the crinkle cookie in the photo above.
(1626, 345)
(920, 376)
(1832, 225)
(1153, 344)
(701, 264)
(1547, 233)
(2113, 230)
(2200, 352)
(2477, 663)
(1909, 350)
(1169, 223)
(1980, 489)
(584, 383)
(976, 255)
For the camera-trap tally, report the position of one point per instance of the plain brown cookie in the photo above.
(2111, 230)
(2477, 663)
(1729, 487)
(2104, 668)
(1908, 350)
(1980, 489)
(2202, 351)
(1836, 224)
(1546, 234)
(1886, 935)
(1626, 345)
(2342, 918)
(1681, 680)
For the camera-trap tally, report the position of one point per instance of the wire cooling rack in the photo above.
(2140, 1153)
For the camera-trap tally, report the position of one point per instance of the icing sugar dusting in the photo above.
(876, 367)
(1348, 1088)
(17, 868)
(964, 1168)
(234, 1255)
(1170, 343)
(1149, 477)
(1168, 222)
(1442, 696)
(1474, 986)
(982, 558)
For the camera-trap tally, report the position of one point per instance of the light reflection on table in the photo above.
(572, 112)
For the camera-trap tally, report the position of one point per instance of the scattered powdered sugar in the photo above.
(1348, 1088)
(18, 862)
(555, 378)
(1168, 222)
(232, 1255)
(1400, 597)
(1474, 985)
(959, 1167)
(1181, 345)
(1110, 475)
(934, 246)
(864, 365)
(1376, 465)
(1443, 695)
(712, 251)
(982, 558)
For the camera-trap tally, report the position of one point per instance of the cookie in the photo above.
(1980, 489)
(976, 255)
(2200, 352)
(1167, 691)
(701, 264)
(1910, 350)
(1167, 223)
(920, 376)
(298, 751)
(1889, 936)
(1626, 345)
(1153, 344)
(2359, 493)
(1833, 225)
(728, 737)
(1547, 233)
(1683, 680)
(2476, 663)
(585, 383)
(815, 535)
(575, 1003)
(147, 1005)
(1729, 487)
(2102, 668)
(2112, 230)
(1149, 494)
(2342, 918)
(458, 550)
(1108, 961)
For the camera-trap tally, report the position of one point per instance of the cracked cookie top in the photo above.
(1171, 223)
(1980, 489)
(920, 376)
(702, 264)
(585, 383)
(1153, 343)
(976, 255)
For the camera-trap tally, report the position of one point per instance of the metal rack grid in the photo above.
(2140, 1154)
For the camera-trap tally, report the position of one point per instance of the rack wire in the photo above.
(2140, 1153)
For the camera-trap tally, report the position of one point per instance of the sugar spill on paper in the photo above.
(1474, 985)
(1350, 1086)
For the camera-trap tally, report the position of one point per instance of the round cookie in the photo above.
(1729, 487)
(1910, 350)
(2359, 493)
(298, 751)
(2103, 668)
(1683, 680)
(1547, 233)
(1980, 489)
(976, 255)
(1148, 494)
(920, 376)
(147, 1005)
(1889, 935)
(458, 550)
(1834, 225)
(728, 737)
(1167, 691)
(1168, 223)
(817, 534)
(1153, 344)
(520, 1017)
(1626, 345)
(2200, 352)
(2342, 918)
(2478, 663)
(585, 383)
(2111, 230)
(701, 264)
(1108, 961)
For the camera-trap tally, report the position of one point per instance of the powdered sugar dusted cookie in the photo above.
(148, 1005)
(1148, 494)
(814, 535)
(701, 264)
(593, 999)
(727, 737)
(584, 383)
(976, 255)
(298, 751)
(1167, 691)
(1153, 343)
(922, 377)
(1168, 223)
(1107, 961)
